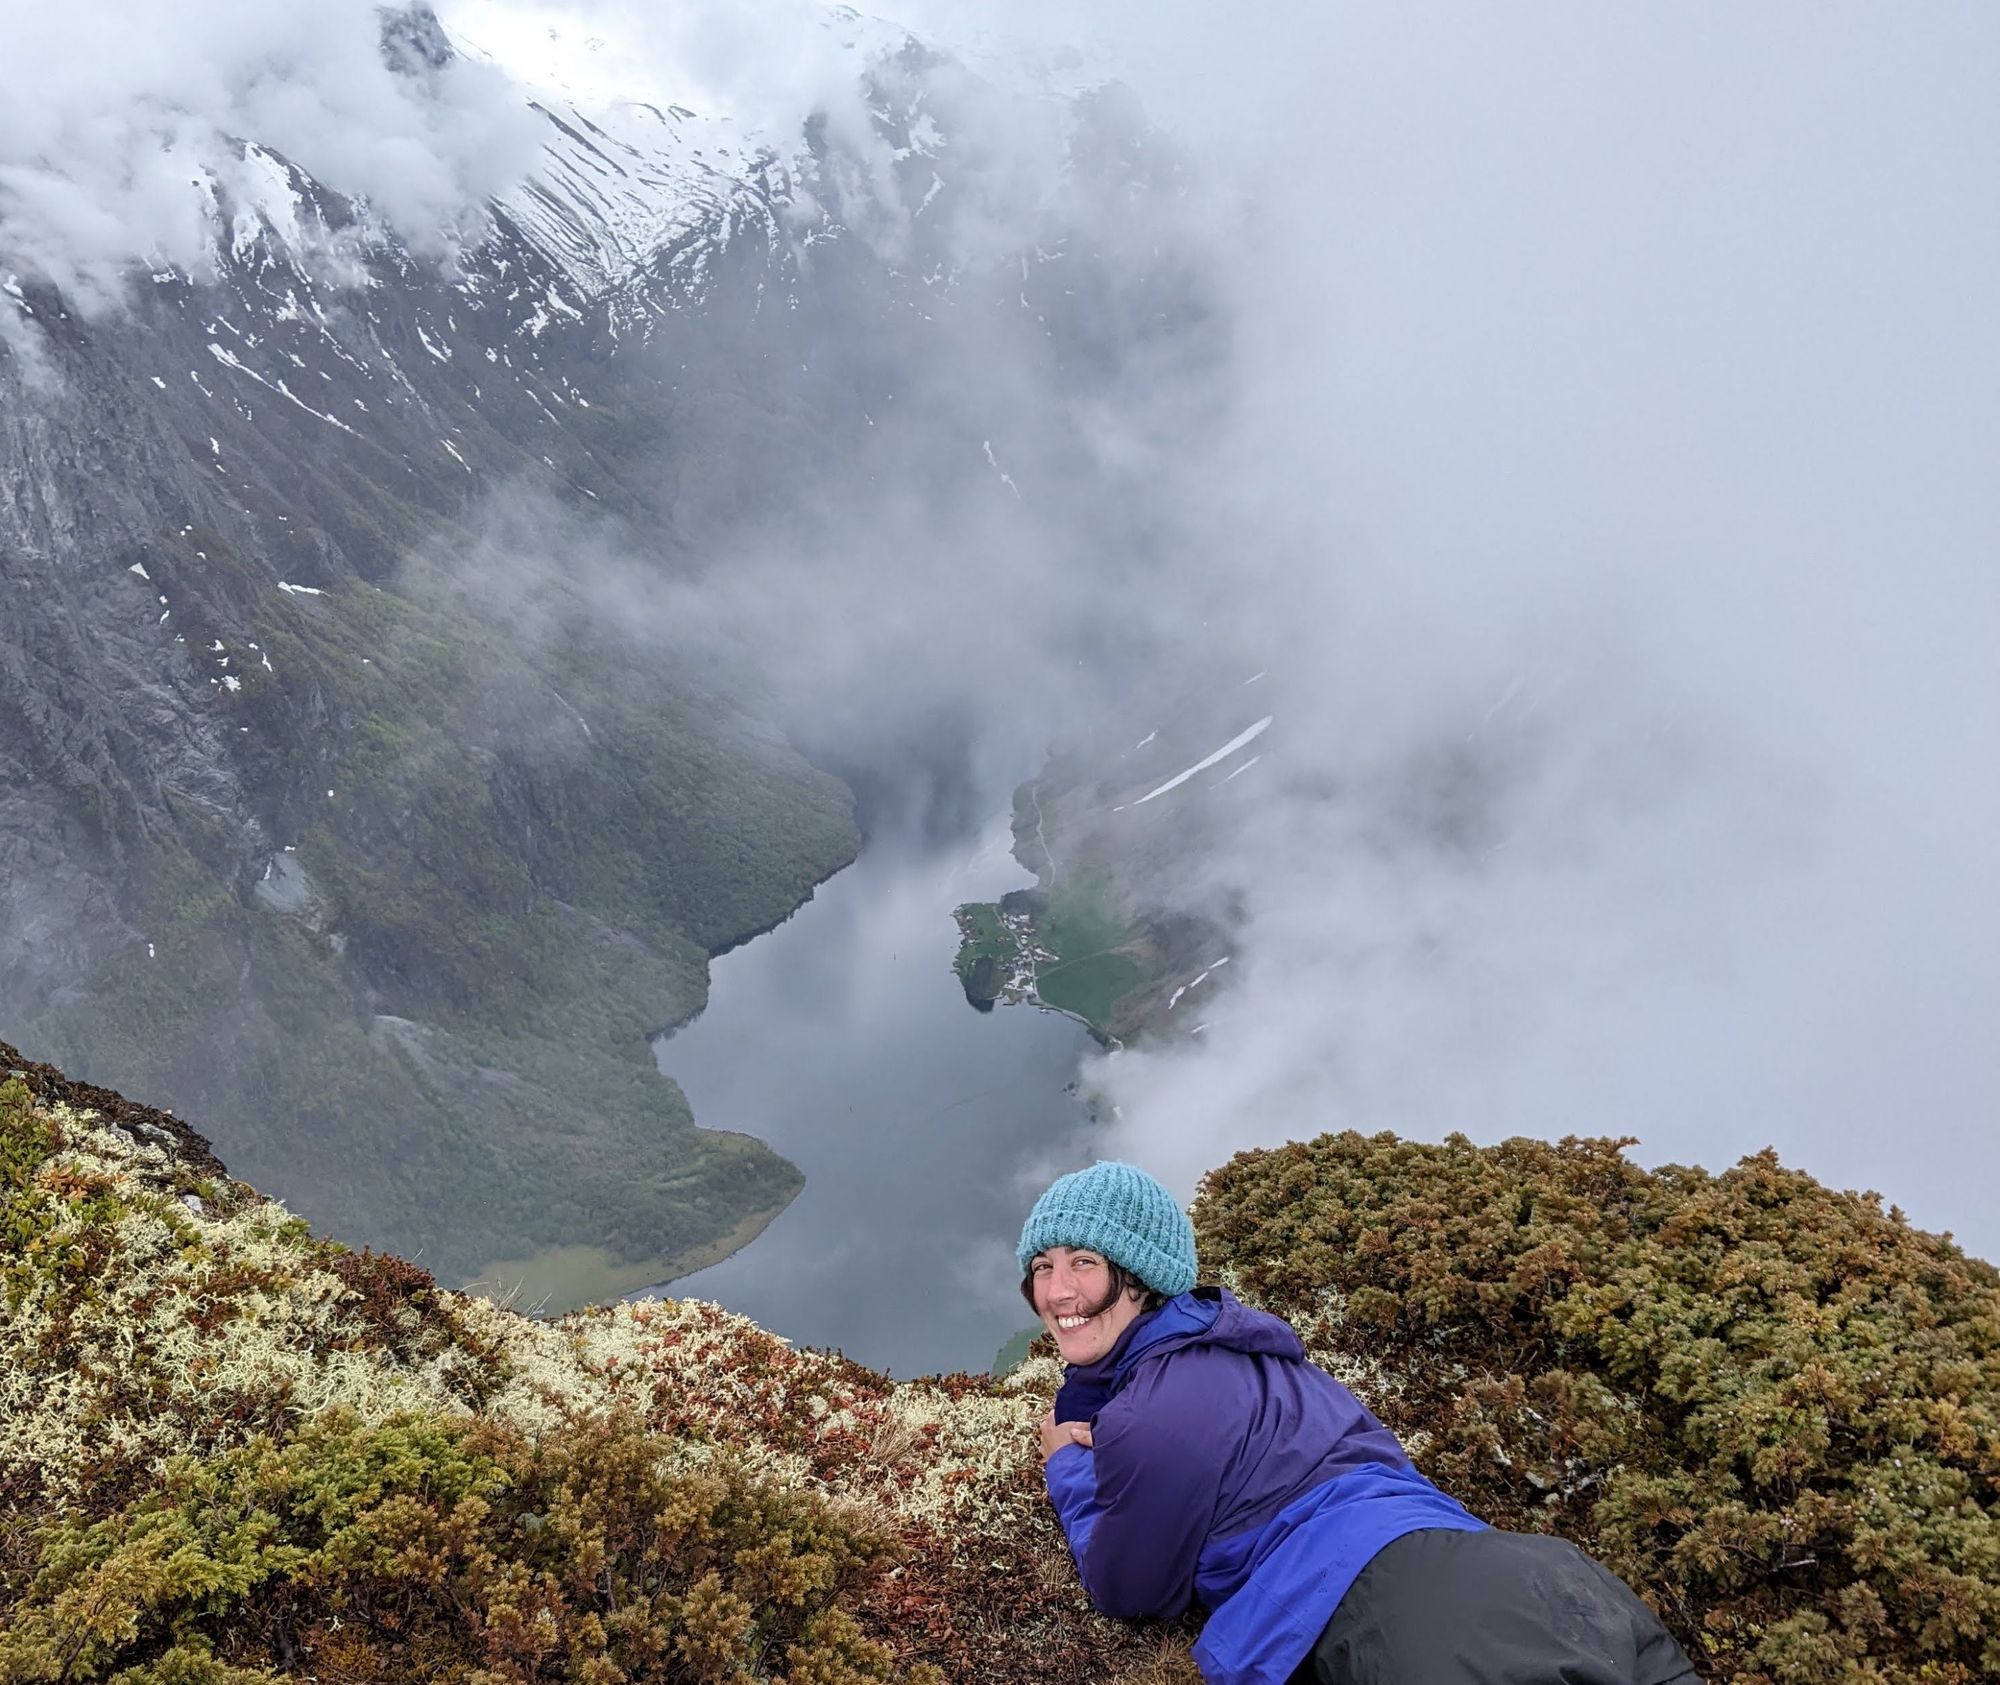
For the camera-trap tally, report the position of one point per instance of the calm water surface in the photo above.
(924, 1128)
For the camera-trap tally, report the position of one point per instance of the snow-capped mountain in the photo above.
(289, 807)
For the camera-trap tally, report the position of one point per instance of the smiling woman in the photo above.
(1194, 1456)
(1102, 1248)
(1085, 1300)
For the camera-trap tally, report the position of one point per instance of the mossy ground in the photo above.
(231, 1451)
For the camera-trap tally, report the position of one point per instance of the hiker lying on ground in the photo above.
(1194, 1455)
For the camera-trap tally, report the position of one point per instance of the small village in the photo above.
(1000, 952)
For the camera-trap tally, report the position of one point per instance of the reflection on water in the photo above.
(843, 1040)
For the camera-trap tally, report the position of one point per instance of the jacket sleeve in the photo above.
(1072, 1480)
(1154, 1480)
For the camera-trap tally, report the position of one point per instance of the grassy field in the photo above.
(1089, 937)
(1082, 919)
(1091, 987)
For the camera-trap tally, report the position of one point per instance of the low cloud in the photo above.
(1587, 437)
(1593, 456)
(113, 115)
(1588, 426)
(1612, 431)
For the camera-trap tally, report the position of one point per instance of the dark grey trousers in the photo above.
(1492, 1608)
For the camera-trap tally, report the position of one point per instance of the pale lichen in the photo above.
(198, 1325)
(140, 1325)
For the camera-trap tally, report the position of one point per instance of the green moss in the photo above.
(26, 1138)
(27, 1215)
(51, 1224)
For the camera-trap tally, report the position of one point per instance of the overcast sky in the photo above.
(1637, 365)
(1616, 392)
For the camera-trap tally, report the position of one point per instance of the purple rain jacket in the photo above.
(1227, 1469)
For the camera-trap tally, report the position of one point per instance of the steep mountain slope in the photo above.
(287, 826)
(333, 804)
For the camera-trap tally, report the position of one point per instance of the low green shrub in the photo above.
(440, 1549)
(1772, 1407)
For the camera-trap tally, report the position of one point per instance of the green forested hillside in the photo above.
(504, 865)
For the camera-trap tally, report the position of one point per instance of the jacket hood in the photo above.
(1205, 1316)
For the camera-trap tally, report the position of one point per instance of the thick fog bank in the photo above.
(1601, 467)
(1587, 431)
(1584, 419)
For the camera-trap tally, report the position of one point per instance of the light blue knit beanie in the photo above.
(1119, 1211)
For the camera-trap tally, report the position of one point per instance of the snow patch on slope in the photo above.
(1222, 754)
(628, 166)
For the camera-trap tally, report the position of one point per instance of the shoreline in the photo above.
(667, 1031)
(716, 1251)
(580, 1275)
(576, 1275)
(791, 913)
(653, 1276)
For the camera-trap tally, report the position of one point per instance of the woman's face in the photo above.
(1071, 1283)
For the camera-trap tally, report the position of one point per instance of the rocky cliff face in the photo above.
(329, 806)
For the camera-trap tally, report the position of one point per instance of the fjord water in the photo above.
(923, 1127)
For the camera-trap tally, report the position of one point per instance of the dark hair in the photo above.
(1151, 1298)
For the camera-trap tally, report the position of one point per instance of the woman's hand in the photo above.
(1055, 1435)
